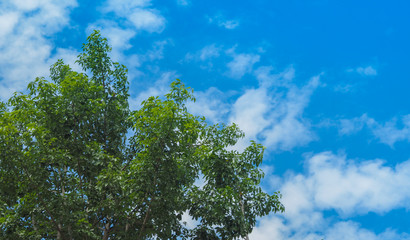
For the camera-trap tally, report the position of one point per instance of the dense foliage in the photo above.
(76, 163)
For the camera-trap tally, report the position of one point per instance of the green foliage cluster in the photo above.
(70, 169)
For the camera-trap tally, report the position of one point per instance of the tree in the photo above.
(76, 163)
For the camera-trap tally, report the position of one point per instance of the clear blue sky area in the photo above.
(322, 84)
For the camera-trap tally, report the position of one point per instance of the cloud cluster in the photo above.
(241, 64)
(333, 182)
(222, 22)
(237, 67)
(209, 52)
(138, 13)
(273, 112)
(388, 133)
(367, 71)
(25, 49)
(204, 57)
(364, 71)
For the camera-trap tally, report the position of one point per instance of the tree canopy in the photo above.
(76, 163)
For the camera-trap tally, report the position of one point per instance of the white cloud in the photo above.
(241, 64)
(229, 24)
(268, 229)
(118, 38)
(204, 57)
(207, 53)
(183, 2)
(157, 51)
(364, 71)
(149, 20)
(266, 79)
(250, 110)
(356, 188)
(137, 13)
(354, 125)
(344, 88)
(25, 51)
(277, 228)
(367, 71)
(388, 133)
(211, 104)
(210, 51)
(222, 22)
(351, 230)
(273, 115)
(125, 7)
(289, 128)
(8, 21)
(333, 182)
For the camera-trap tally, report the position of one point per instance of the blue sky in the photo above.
(322, 84)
